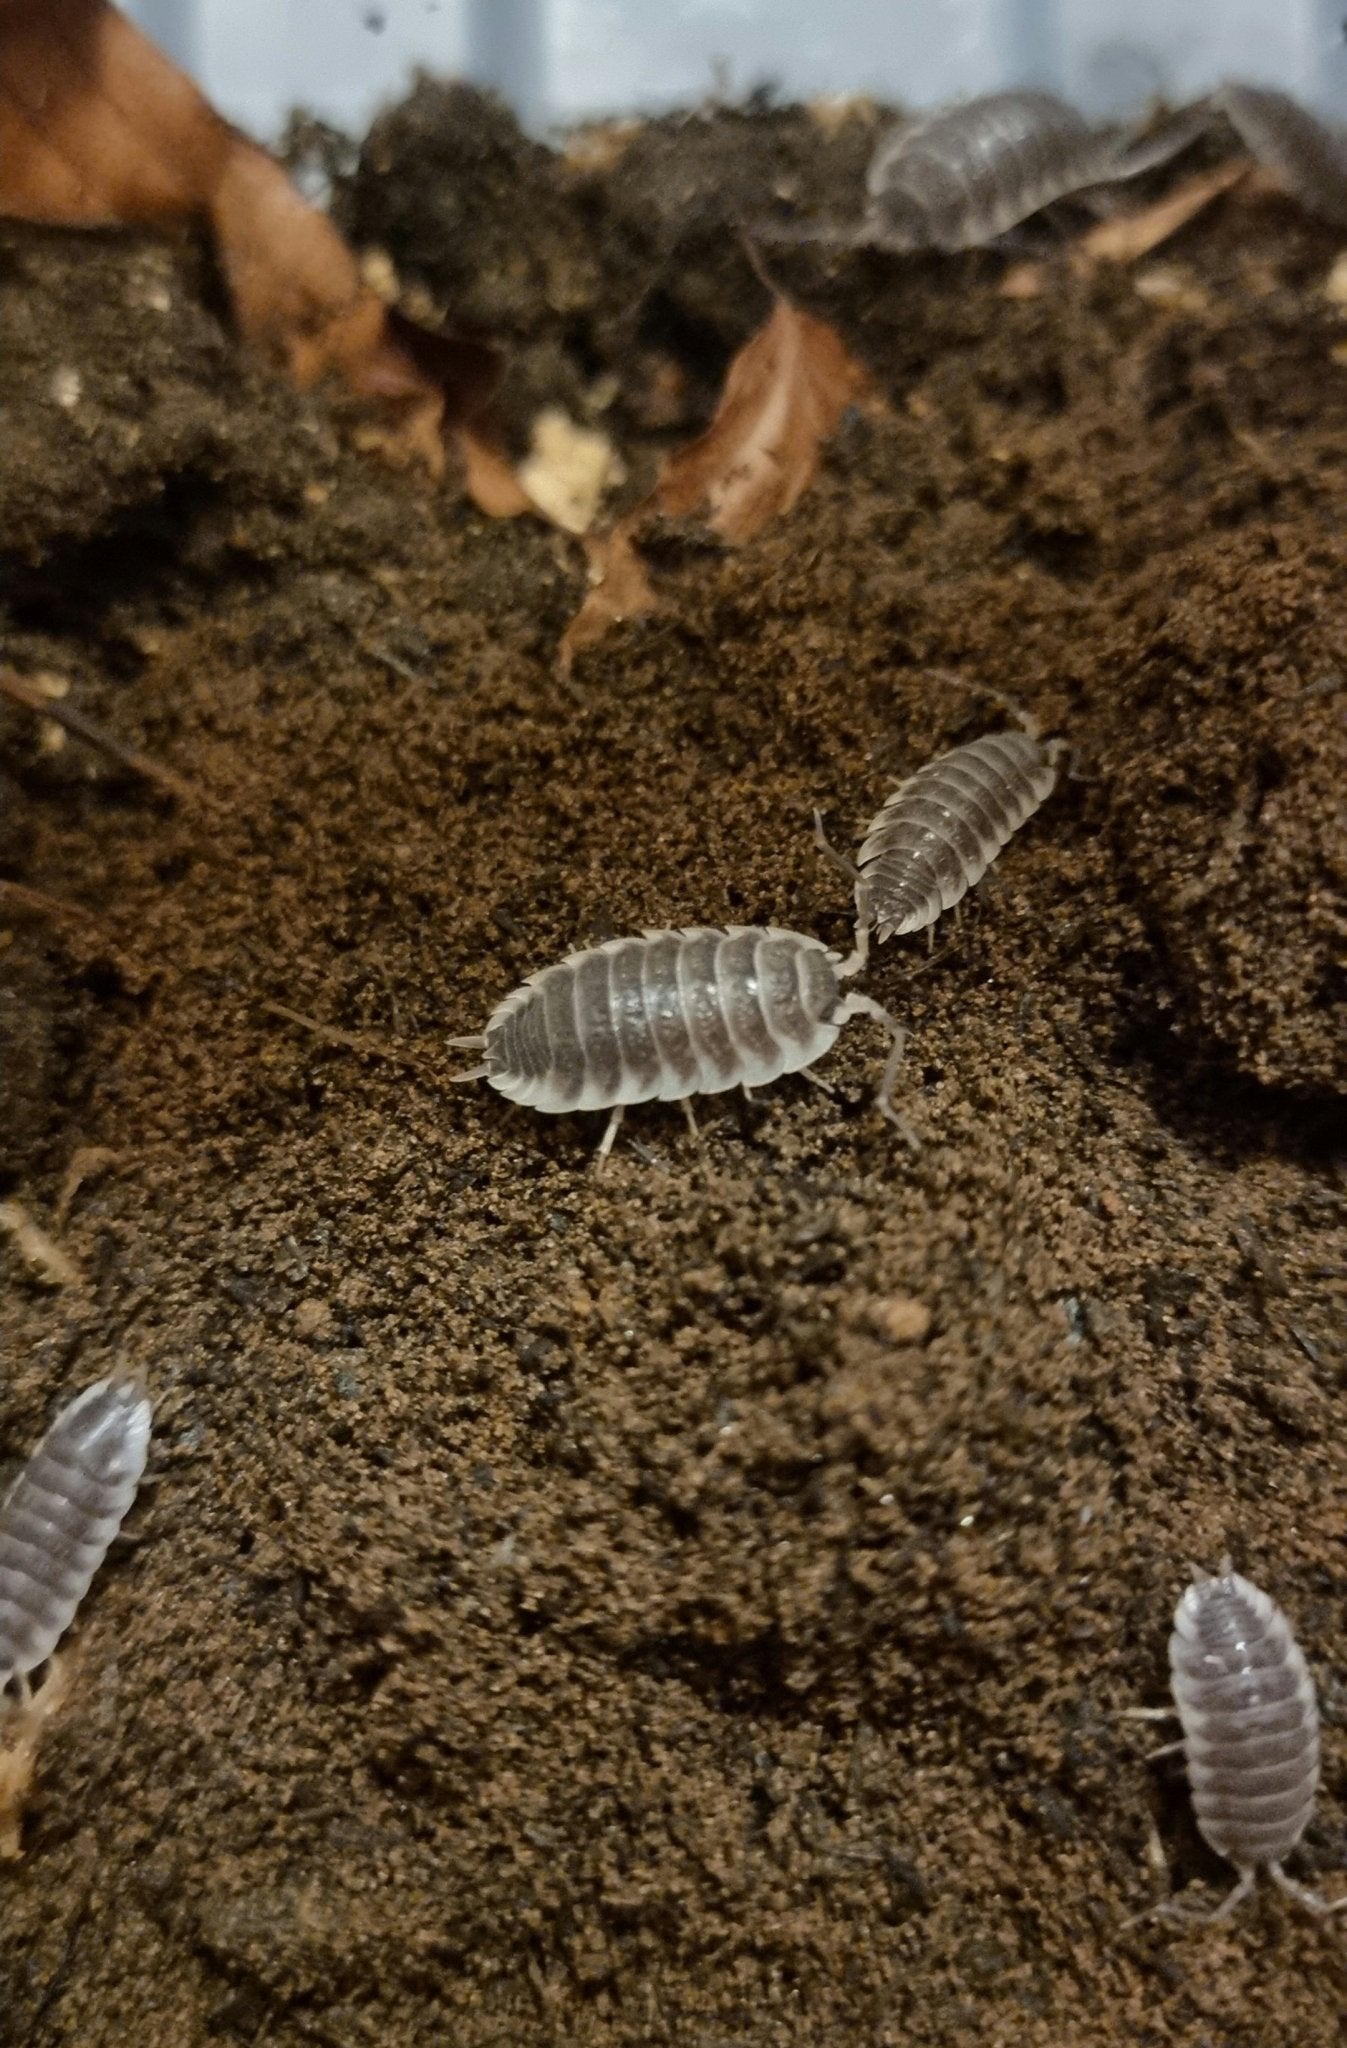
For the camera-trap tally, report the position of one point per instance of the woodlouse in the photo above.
(965, 174)
(1307, 158)
(1246, 1704)
(673, 1014)
(941, 829)
(61, 1514)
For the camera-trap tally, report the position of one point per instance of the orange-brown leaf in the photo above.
(785, 393)
(489, 480)
(1127, 236)
(620, 588)
(96, 126)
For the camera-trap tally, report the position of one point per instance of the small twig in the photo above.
(394, 662)
(15, 896)
(353, 1041)
(759, 268)
(20, 692)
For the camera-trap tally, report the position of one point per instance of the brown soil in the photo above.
(609, 1611)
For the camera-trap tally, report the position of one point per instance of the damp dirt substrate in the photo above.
(696, 1605)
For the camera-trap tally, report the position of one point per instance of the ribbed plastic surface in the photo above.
(566, 60)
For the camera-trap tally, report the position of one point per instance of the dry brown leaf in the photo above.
(490, 480)
(1129, 235)
(1022, 281)
(620, 589)
(784, 394)
(20, 1735)
(786, 391)
(97, 126)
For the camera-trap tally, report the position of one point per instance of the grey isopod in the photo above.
(673, 1014)
(941, 829)
(1246, 1704)
(1306, 157)
(965, 174)
(61, 1514)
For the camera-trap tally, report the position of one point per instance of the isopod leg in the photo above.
(858, 1005)
(606, 1141)
(1247, 1880)
(1302, 1895)
(1154, 1714)
(860, 950)
(1197, 1916)
(818, 1080)
(694, 1128)
(830, 853)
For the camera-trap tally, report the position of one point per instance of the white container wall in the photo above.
(560, 61)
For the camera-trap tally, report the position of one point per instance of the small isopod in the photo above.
(965, 174)
(1246, 1704)
(941, 829)
(674, 1014)
(1306, 157)
(61, 1514)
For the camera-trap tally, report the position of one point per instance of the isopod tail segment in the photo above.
(856, 878)
(475, 1042)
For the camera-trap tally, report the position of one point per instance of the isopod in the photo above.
(61, 1514)
(1246, 1704)
(1307, 158)
(673, 1014)
(965, 174)
(941, 829)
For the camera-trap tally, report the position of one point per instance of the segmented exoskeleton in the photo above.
(61, 1514)
(1305, 156)
(965, 174)
(939, 832)
(1246, 1704)
(937, 835)
(674, 1014)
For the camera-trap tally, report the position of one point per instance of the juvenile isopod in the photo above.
(674, 1014)
(1246, 1703)
(965, 174)
(61, 1514)
(1307, 158)
(941, 829)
